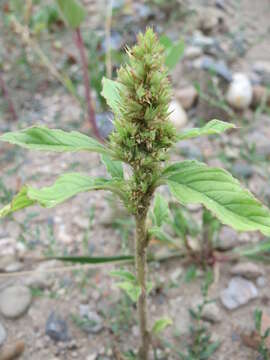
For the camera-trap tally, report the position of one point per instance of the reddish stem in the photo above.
(90, 109)
(8, 99)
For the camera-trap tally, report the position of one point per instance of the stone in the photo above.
(93, 323)
(242, 170)
(178, 116)
(220, 4)
(247, 270)
(105, 123)
(92, 357)
(239, 94)
(57, 328)
(42, 278)
(262, 67)
(192, 52)
(5, 261)
(3, 334)
(261, 95)
(12, 351)
(209, 19)
(202, 41)
(187, 96)
(211, 313)
(14, 267)
(15, 301)
(219, 67)
(227, 239)
(239, 292)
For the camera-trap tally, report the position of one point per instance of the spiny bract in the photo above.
(143, 132)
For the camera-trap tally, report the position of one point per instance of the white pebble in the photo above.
(239, 94)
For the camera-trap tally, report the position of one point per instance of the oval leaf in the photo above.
(211, 128)
(110, 92)
(72, 12)
(42, 138)
(114, 167)
(161, 210)
(125, 275)
(64, 188)
(218, 191)
(161, 324)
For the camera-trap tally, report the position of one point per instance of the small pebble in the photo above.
(15, 301)
(239, 292)
(247, 270)
(178, 116)
(93, 322)
(239, 94)
(57, 328)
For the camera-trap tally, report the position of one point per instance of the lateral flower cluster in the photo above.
(143, 133)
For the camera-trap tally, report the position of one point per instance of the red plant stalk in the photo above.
(8, 99)
(90, 108)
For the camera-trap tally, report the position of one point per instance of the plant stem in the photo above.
(88, 98)
(8, 99)
(141, 243)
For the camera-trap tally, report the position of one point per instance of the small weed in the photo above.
(121, 315)
(52, 249)
(85, 242)
(83, 322)
(262, 348)
(6, 194)
(200, 346)
(36, 292)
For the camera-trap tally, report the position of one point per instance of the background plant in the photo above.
(142, 138)
(200, 347)
(263, 335)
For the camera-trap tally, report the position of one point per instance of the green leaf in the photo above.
(162, 236)
(161, 325)
(110, 92)
(42, 138)
(161, 210)
(64, 188)
(166, 41)
(192, 182)
(211, 128)
(93, 259)
(173, 51)
(258, 320)
(72, 12)
(191, 273)
(20, 201)
(124, 275)
(174, 55)
(132, 290)
(114, 167)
